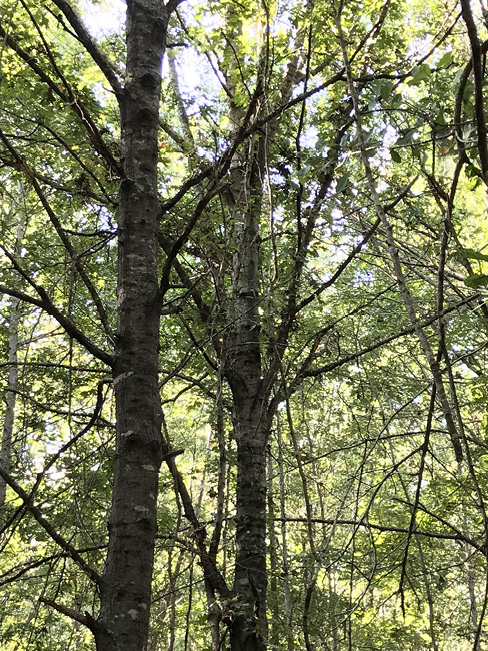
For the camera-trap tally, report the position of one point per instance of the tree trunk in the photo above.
(126, 583)
(249, 629)
(243, 371)
(13, 371)
(8, 419)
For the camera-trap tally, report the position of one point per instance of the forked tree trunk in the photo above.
(125, 591)
(249, 383)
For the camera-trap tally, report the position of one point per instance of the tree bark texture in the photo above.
(243, 370)
(13, 371)
(8, 419)
(125, 589)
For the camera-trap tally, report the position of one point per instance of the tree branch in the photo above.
(47, 305)
(48, 528)
(86, 40)
(69, 612)
(476, 57)
(68, 98)
(389, 529)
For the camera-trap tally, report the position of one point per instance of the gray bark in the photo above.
(8, 419)
(243, 370)
(243, 367)
(125, 588)
(13, 371)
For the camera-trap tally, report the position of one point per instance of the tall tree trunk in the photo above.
(243, 368)
(13, 371)
(248, 631)
(126, 583)
(8, 419)
(243, 365)
(243, 371)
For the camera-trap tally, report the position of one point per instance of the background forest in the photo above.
(243, 325)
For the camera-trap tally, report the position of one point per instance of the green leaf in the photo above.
(457, 77)
(321, 145)
(386, 89)
(476, 280)
(407, 138)
(471, 254)
(304, 172)
(440, 118)
(472, 171)
(395, 156)
(445, 60)
(419, 74)
(397, 100)
(342, 183)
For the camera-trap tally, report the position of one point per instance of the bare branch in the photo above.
(390, 529)
(69, 612)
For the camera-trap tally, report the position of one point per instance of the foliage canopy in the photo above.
(280, 234)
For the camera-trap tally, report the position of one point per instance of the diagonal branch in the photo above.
(69, 327)
(408, 330)
(68, 98)
(48, 528)
(69, 612)
(61, 233)
(457, 535)
(405, 293)
(211, 572)
(86, 40)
